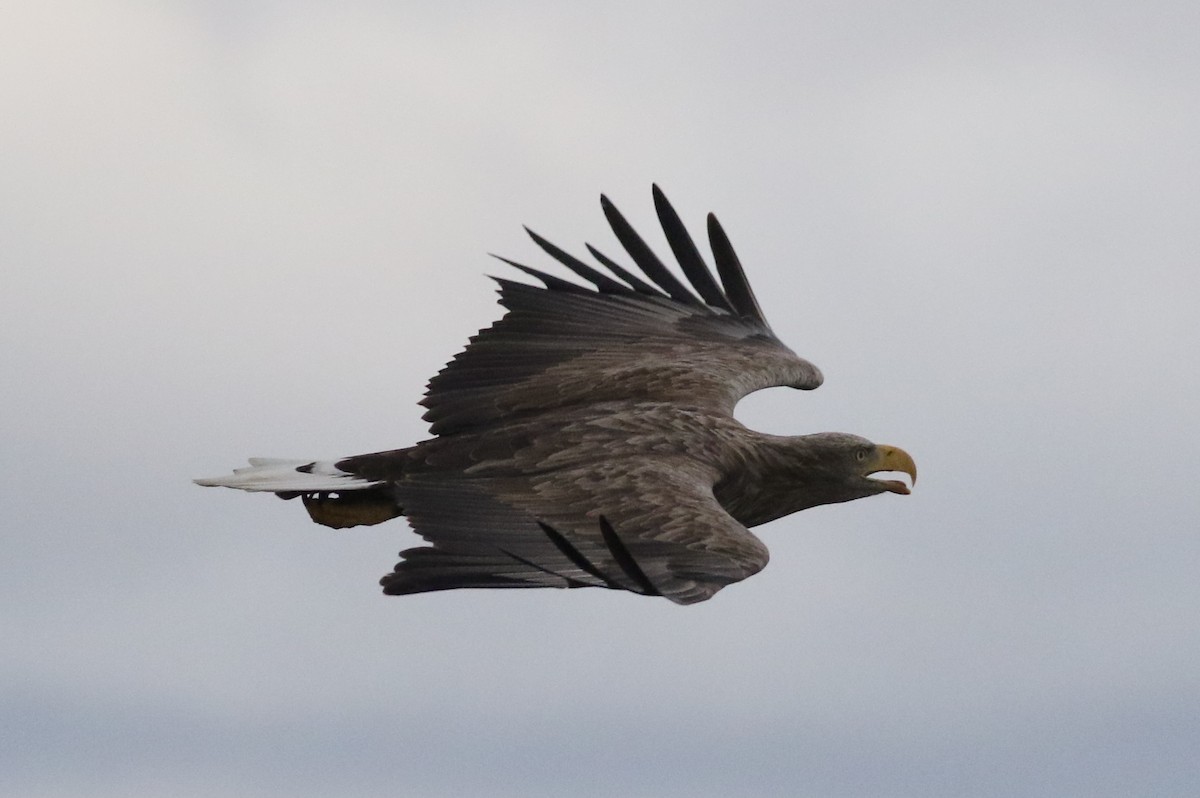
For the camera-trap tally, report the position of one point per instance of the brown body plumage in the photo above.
(587, 438)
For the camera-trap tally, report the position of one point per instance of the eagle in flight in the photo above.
(587, 438)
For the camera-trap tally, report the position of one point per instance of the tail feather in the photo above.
(333, 497)
(293, 477)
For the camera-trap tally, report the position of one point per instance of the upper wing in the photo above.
(626, 339)
(647, 525)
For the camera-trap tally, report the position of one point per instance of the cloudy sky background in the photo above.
(233, 229)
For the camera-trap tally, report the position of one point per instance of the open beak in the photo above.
(892, 458)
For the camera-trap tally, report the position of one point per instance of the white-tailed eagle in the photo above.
(587, 438)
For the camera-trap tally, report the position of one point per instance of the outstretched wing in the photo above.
(627, 338)
(646, 525)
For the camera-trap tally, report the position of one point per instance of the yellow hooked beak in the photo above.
(892, 458)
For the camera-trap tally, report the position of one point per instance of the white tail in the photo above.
(290, 476)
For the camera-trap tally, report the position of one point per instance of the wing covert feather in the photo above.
(556, 530)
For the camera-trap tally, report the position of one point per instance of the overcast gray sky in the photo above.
(247, 228)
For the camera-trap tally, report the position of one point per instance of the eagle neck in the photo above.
(772, 476)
